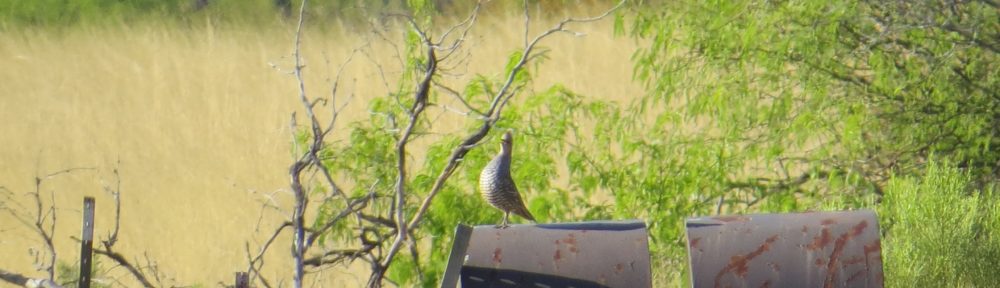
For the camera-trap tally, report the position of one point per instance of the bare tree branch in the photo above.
(258, 261)
(109, 243)
(121, 260)
(422, 94)
(296, 170)
(21, 280)
(116, 194)
(41, 218)
(458, 96)
(13, 278)
(355, 206)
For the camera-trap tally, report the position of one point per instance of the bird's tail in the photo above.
(524, 213)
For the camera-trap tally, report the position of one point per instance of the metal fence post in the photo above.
(242, 280)
(86, 248)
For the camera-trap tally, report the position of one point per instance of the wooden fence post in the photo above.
(86, 249)
(242, 280)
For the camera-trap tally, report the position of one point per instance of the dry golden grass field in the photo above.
(199, 120)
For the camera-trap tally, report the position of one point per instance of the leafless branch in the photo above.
(254, 268)
(24, 281)
(421, 95)
(122, 261)
(310, 158)
(296, 170)
(355, 206)
(336, 256)
(116, 194)
(108, 244)
(41, 218)
(13, 278)
(458, 96)
(466, 26)
(258, 261)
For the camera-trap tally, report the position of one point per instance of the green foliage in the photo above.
(940, 231)
(836, 72)
(751, 107)
(68, 275)
(367, 160)
(793, 105)
(540, 124)
(61, 12)
(266, 12)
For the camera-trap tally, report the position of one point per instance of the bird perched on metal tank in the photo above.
(497, 186)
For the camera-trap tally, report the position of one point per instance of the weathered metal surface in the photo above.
(817, 249)
(457, 257)
(589, 254)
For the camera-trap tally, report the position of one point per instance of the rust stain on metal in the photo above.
(838, 248)
(498, 256)
(853, 260)
(738, 263)
(859, 228)
(855, 276)
(570, 240)
(820, 242)
(874, 247)
(545, 255)
(571, 243)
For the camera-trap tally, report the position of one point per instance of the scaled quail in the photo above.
(498, 187)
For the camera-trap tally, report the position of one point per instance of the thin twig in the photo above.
(121, 260)
(458, 96)
(258, 260)
(300, 196)
(116, 194)
(352, 208)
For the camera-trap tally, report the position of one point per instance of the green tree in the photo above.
(751, 106)
(792, 105)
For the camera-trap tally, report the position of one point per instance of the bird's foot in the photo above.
(501, 226)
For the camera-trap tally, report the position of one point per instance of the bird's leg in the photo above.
(504, 225)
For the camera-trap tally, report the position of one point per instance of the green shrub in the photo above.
(940, 231)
